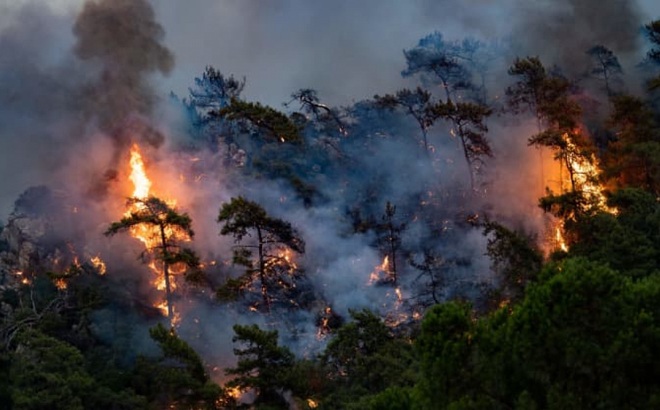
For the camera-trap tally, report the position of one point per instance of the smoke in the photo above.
(38, 82)
(562, 31)
(124, 40)
(76, 90)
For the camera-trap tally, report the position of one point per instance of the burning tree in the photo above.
(390, 239)
(548, 96)
(274, 240)
(164, 229)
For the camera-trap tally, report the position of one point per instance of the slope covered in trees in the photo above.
(292, 306)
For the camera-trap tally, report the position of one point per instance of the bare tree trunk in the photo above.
(262, 272)
(166, 275)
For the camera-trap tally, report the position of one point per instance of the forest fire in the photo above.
(149, 234)
(583, 176)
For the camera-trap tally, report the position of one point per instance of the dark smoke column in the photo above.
(123, 40)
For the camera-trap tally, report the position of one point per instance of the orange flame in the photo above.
(138, 174)
(559, 238)
(234, 392)
(383, 268)
(60, 284)
(148, 235)
(98, 263)
(585, 177)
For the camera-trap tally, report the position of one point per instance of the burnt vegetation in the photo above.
(342, 259)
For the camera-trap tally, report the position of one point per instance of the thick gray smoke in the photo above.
(561, 31)
(124, 39)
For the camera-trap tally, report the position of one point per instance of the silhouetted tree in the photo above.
(468, 120)
(274, 125)
(243, 218)
(416, 103)
(605, 67)
(311, 104)
(439, 62)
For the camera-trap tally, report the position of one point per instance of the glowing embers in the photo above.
(23, 278)
(98, 264)
(382, 273)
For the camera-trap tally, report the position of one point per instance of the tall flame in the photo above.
(148, 235)
(138, 174)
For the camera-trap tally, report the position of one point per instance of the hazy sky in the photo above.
(347, 49)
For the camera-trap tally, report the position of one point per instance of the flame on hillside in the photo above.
(381, 271)
(585, 179)
(149, 235)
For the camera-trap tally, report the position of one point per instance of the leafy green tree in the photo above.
(582, 337)
(47, 374)
(392, 398)
(626, 241)
(633, 158)
(513, 257)
(574, 336)
(365, 358)
(262, 365)
(242, 218)
(177, 379)
(444, 349)
(169, 229)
